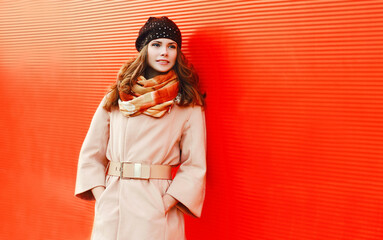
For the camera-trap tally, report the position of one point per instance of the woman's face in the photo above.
(162, 54)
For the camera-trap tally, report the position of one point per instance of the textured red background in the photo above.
(294, 115)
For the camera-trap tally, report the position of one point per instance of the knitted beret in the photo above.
(154, 28)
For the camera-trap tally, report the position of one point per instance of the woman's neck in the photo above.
(151, 73)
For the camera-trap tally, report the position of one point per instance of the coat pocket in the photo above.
(103, 193)
(159, 188)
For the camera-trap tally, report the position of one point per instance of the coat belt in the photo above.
(139, 170)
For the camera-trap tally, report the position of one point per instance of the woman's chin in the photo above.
(163, 69)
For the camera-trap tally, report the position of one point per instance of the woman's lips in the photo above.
(163, 62)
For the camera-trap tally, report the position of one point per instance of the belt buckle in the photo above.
(135, 170)
(121, 169)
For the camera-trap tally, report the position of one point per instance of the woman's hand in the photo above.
(169, 202)
(97, 191)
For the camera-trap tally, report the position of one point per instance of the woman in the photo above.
(151, 121)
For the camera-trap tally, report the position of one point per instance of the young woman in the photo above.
(151, 121)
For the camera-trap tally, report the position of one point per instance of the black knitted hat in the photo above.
(154, 28)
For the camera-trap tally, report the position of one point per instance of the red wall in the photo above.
(294, 94)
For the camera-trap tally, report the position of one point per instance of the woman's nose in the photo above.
(164, 51)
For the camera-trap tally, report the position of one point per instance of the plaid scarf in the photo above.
(153, 97)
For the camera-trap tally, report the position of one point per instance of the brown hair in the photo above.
(132, 69)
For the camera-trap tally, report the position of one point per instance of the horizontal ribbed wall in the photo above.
(294, 114)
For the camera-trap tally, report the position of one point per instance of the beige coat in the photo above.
(132, 209)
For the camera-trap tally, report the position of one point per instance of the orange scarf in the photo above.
(153, 97)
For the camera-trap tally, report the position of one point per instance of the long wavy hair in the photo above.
(129, 72)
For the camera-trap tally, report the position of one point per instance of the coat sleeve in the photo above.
(188, 186)
(92, 160)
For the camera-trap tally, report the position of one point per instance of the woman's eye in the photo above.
(156, 44)
(172, 46)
